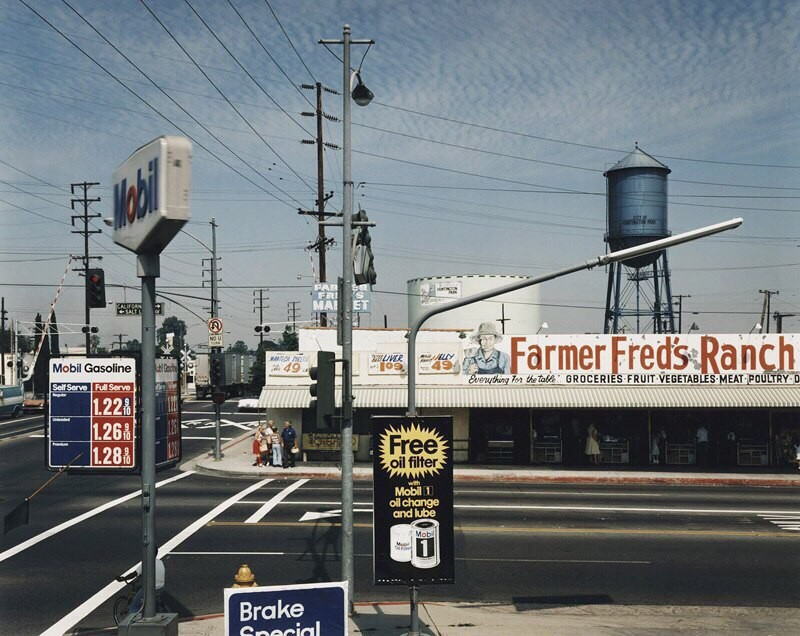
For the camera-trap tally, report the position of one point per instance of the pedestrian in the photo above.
(592, 444)
(702, 445)
(655, 450)
(264, 449)
(266, 458)
(289, 438)
(277, 451)
(257, 444)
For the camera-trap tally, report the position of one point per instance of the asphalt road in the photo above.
(552, 544)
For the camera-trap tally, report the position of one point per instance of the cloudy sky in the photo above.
(483, 151)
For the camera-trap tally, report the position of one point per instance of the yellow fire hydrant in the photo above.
(244, 577)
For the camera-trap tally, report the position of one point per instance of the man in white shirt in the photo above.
(702, 445)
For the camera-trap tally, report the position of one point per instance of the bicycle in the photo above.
(122, 605)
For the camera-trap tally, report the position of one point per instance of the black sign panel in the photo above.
(413, 500)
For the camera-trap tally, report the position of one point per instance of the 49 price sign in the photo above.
(413, 500)
(92, 418)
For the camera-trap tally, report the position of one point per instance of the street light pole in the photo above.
(346, 318)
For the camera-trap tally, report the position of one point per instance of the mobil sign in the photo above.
(151, 195)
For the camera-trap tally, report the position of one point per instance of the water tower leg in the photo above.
(657, 326)
(668, 290)
(617, 310)
(607, 321)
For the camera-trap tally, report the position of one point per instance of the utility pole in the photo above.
(261, 306)
(765, 309)
(292, 313)
(503, 320)
(120, 336)
(679, 302)
(779, 320)
(3, 313)
(214, 269)
(85, 258)
(321, 242)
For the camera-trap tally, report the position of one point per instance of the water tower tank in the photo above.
(636, 194)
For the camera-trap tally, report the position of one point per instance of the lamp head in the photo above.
(361, 94)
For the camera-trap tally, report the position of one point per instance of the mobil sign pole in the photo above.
(151, 204)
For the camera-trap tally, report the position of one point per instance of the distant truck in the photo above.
(234, 373)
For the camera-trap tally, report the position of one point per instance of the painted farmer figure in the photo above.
(486, 360)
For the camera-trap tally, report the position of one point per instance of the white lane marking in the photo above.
(314, 516)
(263, 510)
(700, 511)
(86, 515)
(582, 493)
(92, 603)
(784, 522)
(242, 425)
(195, 437)
(485, 560)
(216, 552)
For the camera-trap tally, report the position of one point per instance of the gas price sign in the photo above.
(168, 415)
(92, 418)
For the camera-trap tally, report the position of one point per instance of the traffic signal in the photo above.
(96, 288)
(216, 370)
(322, 387)
(363, 260)
(262, 328)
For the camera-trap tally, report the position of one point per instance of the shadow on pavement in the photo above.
(527, 603)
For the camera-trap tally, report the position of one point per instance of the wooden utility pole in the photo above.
(321, 242)
(85, 201)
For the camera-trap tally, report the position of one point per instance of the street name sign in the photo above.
(310, 609)
(135, 309)
(92, 414)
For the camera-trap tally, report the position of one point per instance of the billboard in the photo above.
(325, 298)
(634, 359)
(168, 413)
(92, 414)
(413, 500)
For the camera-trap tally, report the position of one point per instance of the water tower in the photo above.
(639, 297)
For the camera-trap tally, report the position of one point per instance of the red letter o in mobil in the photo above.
(131, 204)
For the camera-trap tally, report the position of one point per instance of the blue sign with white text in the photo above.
(316, 609)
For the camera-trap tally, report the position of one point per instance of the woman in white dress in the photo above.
(592, 445)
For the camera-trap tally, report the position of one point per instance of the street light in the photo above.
(362, 96)
(755, 327)
(693, 327)
(544, 326)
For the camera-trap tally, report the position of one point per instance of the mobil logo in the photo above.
(137, 200)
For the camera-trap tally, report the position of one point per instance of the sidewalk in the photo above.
(237, 461)
(482, 619)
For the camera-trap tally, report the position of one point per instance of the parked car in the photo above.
(11, 400)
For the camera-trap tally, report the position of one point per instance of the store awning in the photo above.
(555, 397)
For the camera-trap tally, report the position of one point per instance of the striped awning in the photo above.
(553, 397)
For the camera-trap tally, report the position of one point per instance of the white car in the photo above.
(248, 404)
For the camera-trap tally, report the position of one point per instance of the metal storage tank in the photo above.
(517, 312)
(636, 204)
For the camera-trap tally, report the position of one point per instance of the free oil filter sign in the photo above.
(413, 500)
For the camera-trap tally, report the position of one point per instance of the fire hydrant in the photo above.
(244, 577)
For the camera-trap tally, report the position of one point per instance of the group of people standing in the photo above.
(273, 448)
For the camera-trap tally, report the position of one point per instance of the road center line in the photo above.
(92, 603)
(86, 515)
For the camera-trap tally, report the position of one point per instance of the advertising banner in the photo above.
(445, 362)
(92, 414)
(387, 363)
(439, 292)
(311, 609)
(288, 364)
(636, 359)
(325, 298)
(325, 442)
(413, 500)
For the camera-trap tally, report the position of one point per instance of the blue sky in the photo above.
(483, 150)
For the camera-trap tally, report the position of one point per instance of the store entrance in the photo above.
(500, 436)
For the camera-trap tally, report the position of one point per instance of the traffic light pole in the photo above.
(215, 314)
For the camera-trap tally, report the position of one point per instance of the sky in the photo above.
(482, 152)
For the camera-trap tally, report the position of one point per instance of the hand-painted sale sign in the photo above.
(413, 500)
(287, 364)
(312, 609)
(92, 413)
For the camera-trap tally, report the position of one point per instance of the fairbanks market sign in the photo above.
(660, 359)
